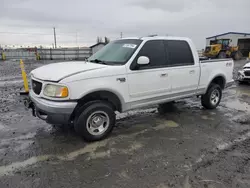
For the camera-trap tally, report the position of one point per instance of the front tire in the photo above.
(95, 122)
(212, 97)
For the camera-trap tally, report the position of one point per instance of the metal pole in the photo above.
(121, 35)
(76, 40)
(24, 75)
(55, 36)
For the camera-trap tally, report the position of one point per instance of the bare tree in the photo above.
(99, 39)
(106, 40)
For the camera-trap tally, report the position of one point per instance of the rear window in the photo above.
(179, 53)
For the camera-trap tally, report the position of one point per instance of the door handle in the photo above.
(191, 72)
(164, 75)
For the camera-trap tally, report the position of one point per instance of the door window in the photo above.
(179, 53)
(155, 51)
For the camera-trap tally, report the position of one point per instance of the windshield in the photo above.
(116, 52)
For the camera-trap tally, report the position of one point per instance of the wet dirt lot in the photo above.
(188, 147)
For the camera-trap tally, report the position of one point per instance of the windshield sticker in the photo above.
(129, 45)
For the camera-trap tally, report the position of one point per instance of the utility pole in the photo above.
(121, 35)
(76, 40)
(55, 36)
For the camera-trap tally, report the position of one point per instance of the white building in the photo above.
(236, 39)
(97, 47)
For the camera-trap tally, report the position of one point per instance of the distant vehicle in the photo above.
(126, 74)
(244, 74)
(222, 49)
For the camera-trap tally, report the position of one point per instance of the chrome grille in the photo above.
(247, 73)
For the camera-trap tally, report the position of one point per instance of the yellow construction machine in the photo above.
(221, 48)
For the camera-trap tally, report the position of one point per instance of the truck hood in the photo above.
(58, 71)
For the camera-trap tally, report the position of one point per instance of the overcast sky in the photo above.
(30, 22)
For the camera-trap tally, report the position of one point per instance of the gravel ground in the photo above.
(188, 147)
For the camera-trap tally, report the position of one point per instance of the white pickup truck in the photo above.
(126, 74)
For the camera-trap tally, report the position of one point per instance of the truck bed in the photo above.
(214, 67)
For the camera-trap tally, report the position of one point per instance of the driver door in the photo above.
(151, 81)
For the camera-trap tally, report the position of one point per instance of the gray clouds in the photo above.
(164, 5)
(196, 19)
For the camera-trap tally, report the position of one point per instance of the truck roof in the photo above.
(158, 37)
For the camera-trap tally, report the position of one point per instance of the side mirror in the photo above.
(143, 60)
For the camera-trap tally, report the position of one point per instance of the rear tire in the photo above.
(237, 55)
(212, 97)
(96, 121)
(222, 55)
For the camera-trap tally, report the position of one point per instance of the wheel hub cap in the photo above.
(97, 123)
(215, 97)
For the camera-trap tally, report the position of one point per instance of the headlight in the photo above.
(55, 91)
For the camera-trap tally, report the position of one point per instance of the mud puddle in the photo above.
(238, 104)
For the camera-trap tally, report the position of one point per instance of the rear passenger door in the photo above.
(150, 81)
(184, 70)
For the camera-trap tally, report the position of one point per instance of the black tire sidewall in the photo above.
(206, 102)
(81, 126)
(220, 91)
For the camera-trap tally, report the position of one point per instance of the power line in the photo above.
(62, 34)
(15, 33)
(62, 38)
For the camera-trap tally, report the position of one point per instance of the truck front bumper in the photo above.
(53, 112)
(242, 77)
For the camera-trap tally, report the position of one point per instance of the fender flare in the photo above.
(218, 75)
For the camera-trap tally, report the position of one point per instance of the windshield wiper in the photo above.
(98, 61)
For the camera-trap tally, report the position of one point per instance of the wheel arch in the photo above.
(110, 96)
(218, 79)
